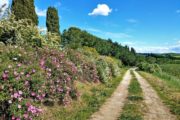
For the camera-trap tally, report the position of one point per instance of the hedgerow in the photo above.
(34, 71)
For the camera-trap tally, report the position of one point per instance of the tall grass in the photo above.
(172, 69)
(168, 89)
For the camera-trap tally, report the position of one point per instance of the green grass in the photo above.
(92, 97)
(172, 69)
(133, 107)
(168, 90)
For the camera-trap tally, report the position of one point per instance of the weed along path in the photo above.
(156, 110)
(113, 106)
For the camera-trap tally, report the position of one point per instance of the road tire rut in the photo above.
(111, 109)
(156, 110)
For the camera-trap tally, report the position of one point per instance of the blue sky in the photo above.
(146, 25)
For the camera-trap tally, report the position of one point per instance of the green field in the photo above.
(172, 69)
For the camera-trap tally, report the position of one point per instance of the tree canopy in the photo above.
(52, 20)
(24, 9)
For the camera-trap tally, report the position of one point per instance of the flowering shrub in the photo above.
(20, 79)
(32, 76)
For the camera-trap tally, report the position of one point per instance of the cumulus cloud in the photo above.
(3, 5)
(40, 12)
(102, 9)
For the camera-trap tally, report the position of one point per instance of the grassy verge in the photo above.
(92, 97)
(168, 90)
(133, 107)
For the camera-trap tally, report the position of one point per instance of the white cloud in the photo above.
(40, 12)
(3, 8)
(102, 9)
(159, 49)
(132, 20)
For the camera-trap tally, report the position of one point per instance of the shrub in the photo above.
(19, 32)
(152, 68)
(20, 80)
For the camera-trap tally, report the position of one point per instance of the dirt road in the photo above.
(113, 106)
(156, 110)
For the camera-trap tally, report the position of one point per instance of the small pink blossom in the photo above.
(20, 92)
(33, 94)
(19, 65)
(16, 95)
(19, 106)
(13, 118)
(33, 71)
(4, 76)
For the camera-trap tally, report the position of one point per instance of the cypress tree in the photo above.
(24, 9)
(52, 20)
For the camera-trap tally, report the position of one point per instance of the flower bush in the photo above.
(35, 72)
(20, 79)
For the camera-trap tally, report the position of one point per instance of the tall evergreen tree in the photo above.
(24, 9)
(52, 20)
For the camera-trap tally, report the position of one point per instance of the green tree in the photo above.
(52, 20)
(24, 9)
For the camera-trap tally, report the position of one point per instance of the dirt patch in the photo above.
(113, 106)
(156, 110)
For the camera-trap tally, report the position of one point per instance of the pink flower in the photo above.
(42, 62)
(26, 83)
(16, 95)
(28, 104)
(4, 76)
(28, 75)
(19, 65)
(19, 106)
(68, 79)
(33, 71)
(13, 118)
(25, 116)
(15, 73)
(33, 94)
(20, 92)
(18, 118)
